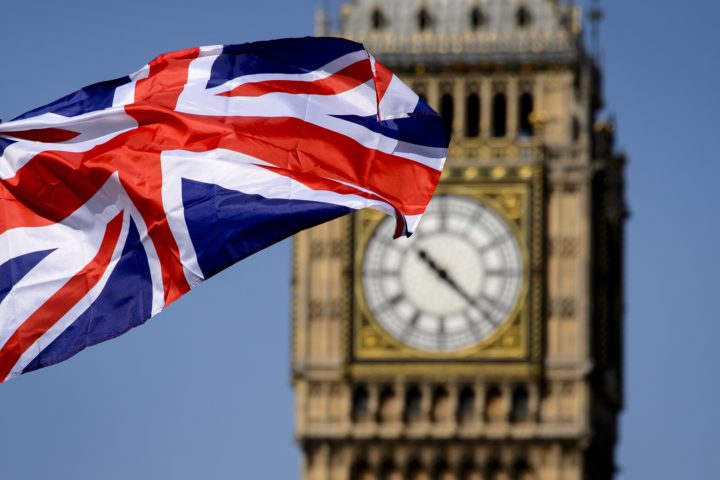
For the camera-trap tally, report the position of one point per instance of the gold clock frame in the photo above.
(515, 348)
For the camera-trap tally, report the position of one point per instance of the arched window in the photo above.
(413, 406)
(466, 403)
(424, 20)
(520, 404)
(377, 19)
(360, 402)
(472, 115)
(447, 112)
(499, 115)
(523, 19)
(526, 109)
(477, 19)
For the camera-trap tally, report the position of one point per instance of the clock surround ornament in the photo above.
(512, 345)
(452, 284)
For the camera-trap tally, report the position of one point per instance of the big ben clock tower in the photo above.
(489, 344)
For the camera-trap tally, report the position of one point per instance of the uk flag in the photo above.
(119, 198)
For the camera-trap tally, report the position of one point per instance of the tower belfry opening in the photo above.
(396, 376)
(424, 20)
(477, 19)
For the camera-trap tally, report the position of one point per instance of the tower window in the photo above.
(413, 405)
(472, 115)
(520, 404)
(377, 19)
(466, 403)
(424, 20)
(477, 19)
(360, 402)
(526, 109)
(499, 117)
(523, 19)
(447, 112)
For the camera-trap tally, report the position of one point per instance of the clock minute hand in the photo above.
(443, 274)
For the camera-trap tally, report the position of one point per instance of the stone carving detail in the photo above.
(563, 246)
(326, 308)
(563, 307)
(327, 249)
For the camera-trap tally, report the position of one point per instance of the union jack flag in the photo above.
(119, 198)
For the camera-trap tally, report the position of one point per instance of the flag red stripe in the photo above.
(140, 168)
(328, 154)
(317, 183)
(60, 182)
(310, 149)
(62, 301)
(48, 135)
(15, 213)
(55, 184)
(166, 80)
(346, 79)
(383, 77)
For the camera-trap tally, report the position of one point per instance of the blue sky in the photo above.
(203, 390)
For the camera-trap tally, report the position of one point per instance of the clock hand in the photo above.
(443, 274)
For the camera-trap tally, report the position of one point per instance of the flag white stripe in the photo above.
(320, 110)
(198, 71)
(76, 239)
(242, 173)
(95, 128)
(77, 309)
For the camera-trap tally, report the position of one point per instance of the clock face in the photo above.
(450, 285)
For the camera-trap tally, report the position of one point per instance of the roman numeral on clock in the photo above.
(391, 302)
(410, 326)
(502, 272)
(441, 333)
(377, 273)
(495, 242)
